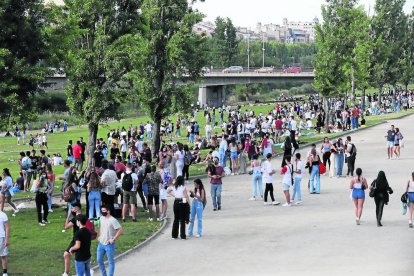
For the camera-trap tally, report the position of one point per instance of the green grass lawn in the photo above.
(36, 250)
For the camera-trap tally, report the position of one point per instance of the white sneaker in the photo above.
(16, 211)
(267, 203)
(298, 202)
(50, 211)
(232, 173)
(65, 274)
(198, 236)
(287, 205)
(41, 224)
(252, 198)
(5, 274)
(275, 203)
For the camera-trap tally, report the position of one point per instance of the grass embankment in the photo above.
(36, 250)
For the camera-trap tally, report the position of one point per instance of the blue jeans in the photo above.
(196, 209)
(191, 138)
(296, 188)
(257, 182)
(109, 250)
(315, 174)
(49, 202)
(222, 159)
(94, 199)
(216, 195)
(339, 164)
(83, 268)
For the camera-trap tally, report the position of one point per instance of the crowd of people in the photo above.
(124, 168)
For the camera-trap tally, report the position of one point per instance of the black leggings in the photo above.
(379, 204)
(269, 188)
(325, 158)
(179, 219)
(141, 196)
(351, 165)
(41, 201)
(186, 173)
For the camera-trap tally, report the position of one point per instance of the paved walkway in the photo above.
(318, 238)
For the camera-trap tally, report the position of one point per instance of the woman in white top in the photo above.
(197, 208)
(179, 159)
(410, 192)
(181, 207)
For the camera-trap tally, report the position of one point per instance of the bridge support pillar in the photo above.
(212, 95)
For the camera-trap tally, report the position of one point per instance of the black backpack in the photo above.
(188, 158)
(127, 182)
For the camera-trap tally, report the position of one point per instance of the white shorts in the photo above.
(4, 250)
(163, 194)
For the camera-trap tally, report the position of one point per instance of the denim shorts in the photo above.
(358, 194)
(390, 144)
(411, 197)
(285, 187)
(233, 154)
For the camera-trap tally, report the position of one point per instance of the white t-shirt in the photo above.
(293, 125)
(178, 193)
(139, 144)
(134, 180)
(123, 145)
(208, 128)
(287, 177)
(148, 127)
(267, 169)
(3, 220)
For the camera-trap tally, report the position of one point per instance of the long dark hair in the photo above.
(179, 181)
(381, 180)
(359, 173)
(200, 185)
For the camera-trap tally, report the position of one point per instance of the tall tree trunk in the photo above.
(93, 133)
(327, 108)
(156, 139)
(352, 87)
(363, 99)
(406, 87)
(379, 95)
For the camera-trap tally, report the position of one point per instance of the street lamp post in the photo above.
(263, 52)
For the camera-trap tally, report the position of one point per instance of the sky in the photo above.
(247, 13)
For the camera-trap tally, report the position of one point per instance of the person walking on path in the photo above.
(197, 208)
(268, 173)
(410, 193)
(358, 186)
(82, 248)
(216, 173)
(397, 143)
(382, 189)
(4, 240)
(257, 178)
(340, 156)
(326, 152)
(181, 207)
(298, 170)
(109, 231)
(390, 136)
(315, 178)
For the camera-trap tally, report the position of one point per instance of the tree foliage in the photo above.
(22, 52)
(224, 44)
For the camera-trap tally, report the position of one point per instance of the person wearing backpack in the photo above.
(25, 168)
(129, 185)
(188, 158)
(351, 152)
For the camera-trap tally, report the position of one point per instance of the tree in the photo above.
(388, 26)
(166, 57)
(89, 34)
(22, 50)
(225, 43)
(406, 62)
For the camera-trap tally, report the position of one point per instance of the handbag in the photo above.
(373, 188)
(322, 168)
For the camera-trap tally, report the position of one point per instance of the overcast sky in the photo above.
(247, 13)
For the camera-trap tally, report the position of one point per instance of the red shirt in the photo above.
(119, 166)
(219, 171)
(77, 151)
(278, 124)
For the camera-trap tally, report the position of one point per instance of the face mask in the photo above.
(216, 163)
(104, 214)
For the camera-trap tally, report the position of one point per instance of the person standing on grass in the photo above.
(41, 188)
(108, 181)
(94, 198)
(109, 232)
(4, 241)
(82, 247)
(153, 180)
(5, 195)
(83, 147)
(25, 168)
(71, 223)
(358, 185)
(51, 181)
(129, 185)
(287, 172)
(298, 170)
(268, 171)
(77, 155)
(390, 136)
(70, 152)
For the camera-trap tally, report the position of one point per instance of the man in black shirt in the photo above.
(98, 157)
(83, 146)
(390, 135)
(146, 153)
(82, 247)
(71, 223)
(70, 152)
(35, 163)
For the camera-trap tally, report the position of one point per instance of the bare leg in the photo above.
(151, 211)
(133, 211)
(360, 207)
(287, 196)
(157, 210)
(66, 257)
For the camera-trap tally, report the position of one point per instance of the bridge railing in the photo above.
(253, 69)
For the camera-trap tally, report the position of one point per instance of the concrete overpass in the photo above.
(212, 86)
(212, 89)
